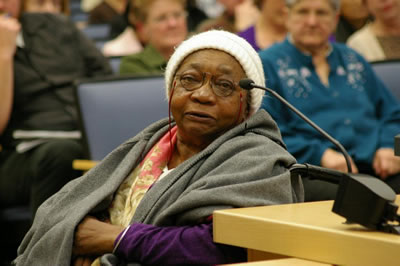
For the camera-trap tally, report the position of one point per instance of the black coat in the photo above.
(54, 56)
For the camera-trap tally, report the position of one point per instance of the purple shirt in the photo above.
(250, 35)
(149, 244)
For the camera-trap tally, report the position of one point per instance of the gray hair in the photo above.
(334, 3)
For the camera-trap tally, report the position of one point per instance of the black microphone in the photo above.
(249, 84)
(360, 198)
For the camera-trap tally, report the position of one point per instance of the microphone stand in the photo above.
(360, 198)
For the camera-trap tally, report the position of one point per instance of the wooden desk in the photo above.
(308, 231)
(281, 262)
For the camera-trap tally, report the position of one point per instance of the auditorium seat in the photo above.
(389, 72)
(114, 109)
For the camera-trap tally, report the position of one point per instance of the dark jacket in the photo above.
(55, 54)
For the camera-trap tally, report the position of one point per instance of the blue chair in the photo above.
(115, 61)
(77, 14)
(389, 72)
(114, 109)
(97, 32)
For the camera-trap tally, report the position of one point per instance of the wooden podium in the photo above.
(309, 231)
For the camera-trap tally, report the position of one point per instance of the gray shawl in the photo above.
(247, 166)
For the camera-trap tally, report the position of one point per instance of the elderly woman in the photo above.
(380, 39)
(162, 26)
(151, 200)
(338, 90)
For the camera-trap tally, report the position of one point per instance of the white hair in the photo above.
(335, 3)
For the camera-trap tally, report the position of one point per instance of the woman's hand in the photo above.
(334, 160)
(93, 237)
(9, 29)
(386, 163)
(246, 14)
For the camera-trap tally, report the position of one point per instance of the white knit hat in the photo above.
(230, 43)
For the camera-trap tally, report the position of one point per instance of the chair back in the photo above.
(112, 110)
(97, 32)
(115, 61)
(389, 72)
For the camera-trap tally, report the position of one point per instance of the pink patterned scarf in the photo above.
(132, 190)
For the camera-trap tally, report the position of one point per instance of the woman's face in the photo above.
(311, 22)
(201, 114)
(353, 9)
(50, 6)
(275, 11)
(384, 10)
(165, 26)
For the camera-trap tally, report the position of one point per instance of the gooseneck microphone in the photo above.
(360, 198)
(249, 84)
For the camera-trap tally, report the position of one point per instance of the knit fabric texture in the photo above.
(230, 43)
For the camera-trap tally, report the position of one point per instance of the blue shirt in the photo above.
(355, 108)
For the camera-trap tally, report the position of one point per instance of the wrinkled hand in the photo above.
(94, 237)
(9, 29)
(386, 163)
(246, 15)
(334, 160)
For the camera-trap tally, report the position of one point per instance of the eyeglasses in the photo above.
(221, 86)
(319, 14)
(177, 16)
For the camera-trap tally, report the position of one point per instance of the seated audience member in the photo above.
(106, 11)
(337, 89)
(129, 41)
(151, 200)
(50, 6)
(270, 26)
(162, 23)
(237, 16)
(39, 65)
(380, 39)
(353, 15)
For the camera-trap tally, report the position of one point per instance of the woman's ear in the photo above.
(140, 30)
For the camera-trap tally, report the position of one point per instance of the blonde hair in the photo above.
(141, 8)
